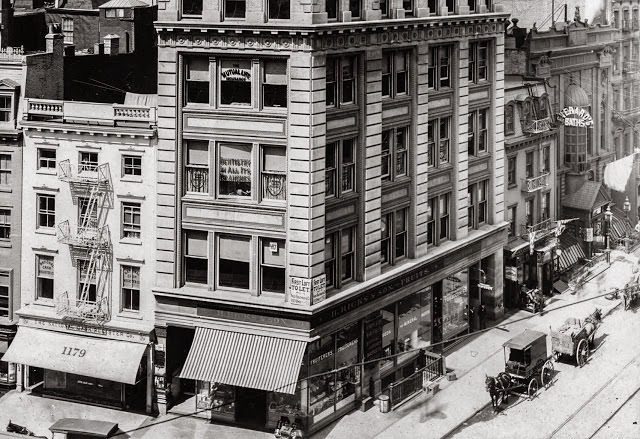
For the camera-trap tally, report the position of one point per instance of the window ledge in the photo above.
(46, 231)
(5, 243)
(125, 314)
(45, 171)
(131, 241)
(512, 186)
(6, 189)
(131, 179)
(44, 302)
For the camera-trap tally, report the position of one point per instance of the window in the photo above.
(235, 82)
(472, 5)
(438, 141)
(508, 119)
(46, 211)
(394, 153)
(451, 6)
(407, 5)
(395, 77)
(44, 277)
(131, 220)
(130, 288)
(511, 217)
(529, 164)
(234, 267)
(477, 209)
(274, 173)
(46, 158)
(478, 61)
(433, 6)
(6, 108)
(5, 223)
(132, 165)
(67, 30)
(196, 260)
(87, 285)
(394, 243)
(5, 169)
(528, 211)
(546, 159)
(545, 206)
(340, 81)
(274, 85)
(354, 7)
(339, 257)
(384, 8)
(279, 9)
(511, 171)
(440, 67)
(197, 80)
(196, 177)
(332, 9)
(340, 166)
(234, 170)
(477, 136)
(234, 8)
(87, 217)
(273, 266)
(438, 219)
(4, 295)
(88, 162)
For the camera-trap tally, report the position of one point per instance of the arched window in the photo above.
(527, 109)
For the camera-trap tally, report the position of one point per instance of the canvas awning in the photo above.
(572, 252)
(245, 360)
(560, 286)
(112, 360)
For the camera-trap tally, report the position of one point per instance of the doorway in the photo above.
(251, 407)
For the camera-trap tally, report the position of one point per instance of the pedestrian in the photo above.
(482, 314)
(471, 313)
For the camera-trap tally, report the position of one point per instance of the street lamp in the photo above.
(607, 221)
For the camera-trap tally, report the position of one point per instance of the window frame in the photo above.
(124, 304)
(389, 241)
(5, 223)
(439, 214)
(478, 67)
(129, 230)
(251, 289)
(131, 166)
(337, 257)
(48, 160)
(529, 164)
(68, 27)
(268, 14)
(394, 73)
(435, 141)
(185, 255)
(478, 132)
(340, 167)
(38, 277)
(436, 80)
(233, 17)
(8, 109)
(261, 264)
(339, 81)
(48, 212)
(513, 221)
(393, 153)
(5, 283)
(512, 171)
(479, 196)
(6, 158)
(80, 281)
(88, 165)
(509, 119)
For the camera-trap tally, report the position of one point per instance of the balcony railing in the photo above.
(88, 237)
(632, 66)
(89, 113)
(535, 183)
(11, 53)
(542, 228)
(274, 186)
(82, 310)
(197, 179)
(536, 126)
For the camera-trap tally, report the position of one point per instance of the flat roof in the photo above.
(525, 339)
(85, 426)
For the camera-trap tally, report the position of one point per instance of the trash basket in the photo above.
(385, 403)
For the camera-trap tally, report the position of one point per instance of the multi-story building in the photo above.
(625, 80)
(330, 196)
(86, 317)
(18, 72)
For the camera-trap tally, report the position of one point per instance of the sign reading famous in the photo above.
(576, 117)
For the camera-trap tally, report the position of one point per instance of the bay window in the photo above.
(196, 259)
(395, 73)
(339, 257)
(438, 135)
(340, 167)
(273, 266)
(234, 262)
(394, 153)
(439, 70)
(340, 81)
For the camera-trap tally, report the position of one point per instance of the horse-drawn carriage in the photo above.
(575, 337)
(527, 366)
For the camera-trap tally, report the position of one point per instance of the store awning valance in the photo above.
(244, 360)
(112, 360)
(572, 252)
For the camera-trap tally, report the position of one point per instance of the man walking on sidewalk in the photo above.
(482, 314)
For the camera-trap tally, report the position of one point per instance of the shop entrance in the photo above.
(251, 407)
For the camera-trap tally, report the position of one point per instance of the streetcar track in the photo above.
(590, 399)
(615, 412)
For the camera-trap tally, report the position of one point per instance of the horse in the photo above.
(498, 388)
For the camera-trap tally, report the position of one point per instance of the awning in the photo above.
(112, 360)
(572, 252)
(244, 360)
(620, 225)
(560, 286)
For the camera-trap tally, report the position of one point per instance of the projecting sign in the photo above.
(305, 292)
(588, 234)
(576, 117)
(511, 273)
(485, 286)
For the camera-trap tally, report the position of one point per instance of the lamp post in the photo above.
(607, 222)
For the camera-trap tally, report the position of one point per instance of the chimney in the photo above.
(54, 41)
(111, 44)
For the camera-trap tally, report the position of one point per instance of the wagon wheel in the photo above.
(547, 374)
(582, 352)
(533, 387)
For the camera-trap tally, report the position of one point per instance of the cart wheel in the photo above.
(533, 387)
(547, 374)
(582, 352)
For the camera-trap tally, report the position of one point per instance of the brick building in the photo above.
(330, 192)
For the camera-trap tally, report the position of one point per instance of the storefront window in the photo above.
(388, 337)
(455, 304)
(426, 319)
(322, 387)
(7, 370)
(347, 379)
(408, 325)
(222, 400)
(234, 170)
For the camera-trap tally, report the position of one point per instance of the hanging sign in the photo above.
(576, 117)
(511, 273)
(588, 234)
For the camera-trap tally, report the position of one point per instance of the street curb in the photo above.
(450, 431)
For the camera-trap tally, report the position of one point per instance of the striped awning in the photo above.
(244, 360)
(620, 225)
(572, 252)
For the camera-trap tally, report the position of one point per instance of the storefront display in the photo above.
(347, 378)
(284, 405)
(455, 304)
(221, 400)
(408, 324)
(321, 388)
(83, 388)
(388, 337)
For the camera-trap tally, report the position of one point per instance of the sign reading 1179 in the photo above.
(74, 352)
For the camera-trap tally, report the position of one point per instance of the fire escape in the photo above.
(89, 244)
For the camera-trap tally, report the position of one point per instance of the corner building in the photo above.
(330, 193)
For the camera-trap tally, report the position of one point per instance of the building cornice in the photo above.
(92, 130)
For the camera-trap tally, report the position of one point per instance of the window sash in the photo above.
(46, 158)
(131, 216)
(279, 9)
(46, 210)
(5, 223)
(132, 165)
(234, 8)
(88, 162)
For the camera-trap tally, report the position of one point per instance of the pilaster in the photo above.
(459, 133)
(498, 135)
(421, 150)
